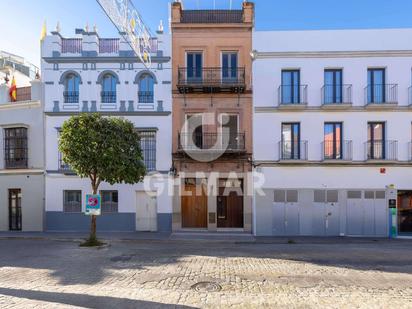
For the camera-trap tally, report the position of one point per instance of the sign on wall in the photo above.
(130, 24)
(93, 204)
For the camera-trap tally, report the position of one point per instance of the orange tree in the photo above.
(103, 149)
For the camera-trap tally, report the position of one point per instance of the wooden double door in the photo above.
(194, 203)
(230, 204)
(229, 210)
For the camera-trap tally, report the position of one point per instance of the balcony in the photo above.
(72, 46)
(293, 96)
(212, 142)
(64, 168)
(109, 46)
(71, 96)
(385, 95)
(293, 151)
(381, 150)
(336, 96)
(145, 96)
(211, 80)
(23, 94)
(334, 151)
(108, 96)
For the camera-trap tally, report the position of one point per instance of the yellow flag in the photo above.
(43, 31)
(132, 24)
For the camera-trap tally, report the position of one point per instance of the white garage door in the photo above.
(286, 212)
(325, 214)
(366, 213)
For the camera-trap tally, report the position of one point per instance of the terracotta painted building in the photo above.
(212, 118)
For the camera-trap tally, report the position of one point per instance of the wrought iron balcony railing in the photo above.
(17, 162)
(109, 45)
(211, 80)
(337, 150)
(23, 94)
(381, 150)
(293, 150)
(108, 96)
(146, 96)
(231, 142)
(336, 94)
(381, 94)
(71, 96)
(72, 46)
(293, 94)
(64, 167)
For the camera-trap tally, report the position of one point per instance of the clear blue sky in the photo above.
(21, 20)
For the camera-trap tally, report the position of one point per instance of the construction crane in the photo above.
(130, 25)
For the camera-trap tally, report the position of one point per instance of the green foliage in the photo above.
(102, 149)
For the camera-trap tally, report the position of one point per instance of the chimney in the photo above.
(176, 12)
(248, 12)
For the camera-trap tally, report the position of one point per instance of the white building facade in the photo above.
(332, 132)
(21, 147)
(92, 74)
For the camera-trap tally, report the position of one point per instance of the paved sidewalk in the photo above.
(333, 273)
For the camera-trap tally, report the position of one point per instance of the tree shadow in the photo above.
(73, 265)
(84, 300)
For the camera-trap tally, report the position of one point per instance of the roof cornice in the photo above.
(334, 54)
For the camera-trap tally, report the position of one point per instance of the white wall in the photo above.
(163, 141)
(145, 114)
(56, 184)
(312, 52)
(333, 40)
(267, 76)
(398, 127)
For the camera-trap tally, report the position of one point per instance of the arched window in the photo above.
(109, 83)
(71, 88)
(146, 89)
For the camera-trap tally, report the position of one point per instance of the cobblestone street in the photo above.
(190, 274)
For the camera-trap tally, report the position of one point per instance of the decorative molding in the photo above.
(14, 125)
(20, 105)
(143, 73)
(276, 109)
(64, 75)
(105, 59)
(33, 171)
(274, 163)
(140, 129)
(111, 113)
(103, 73)
(335, 54)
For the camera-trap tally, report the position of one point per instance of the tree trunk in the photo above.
(93, 218)
(93, 228)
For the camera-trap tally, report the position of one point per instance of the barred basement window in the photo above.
(15, 148)
(110, 201)
(148, 145)
(72, 201)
